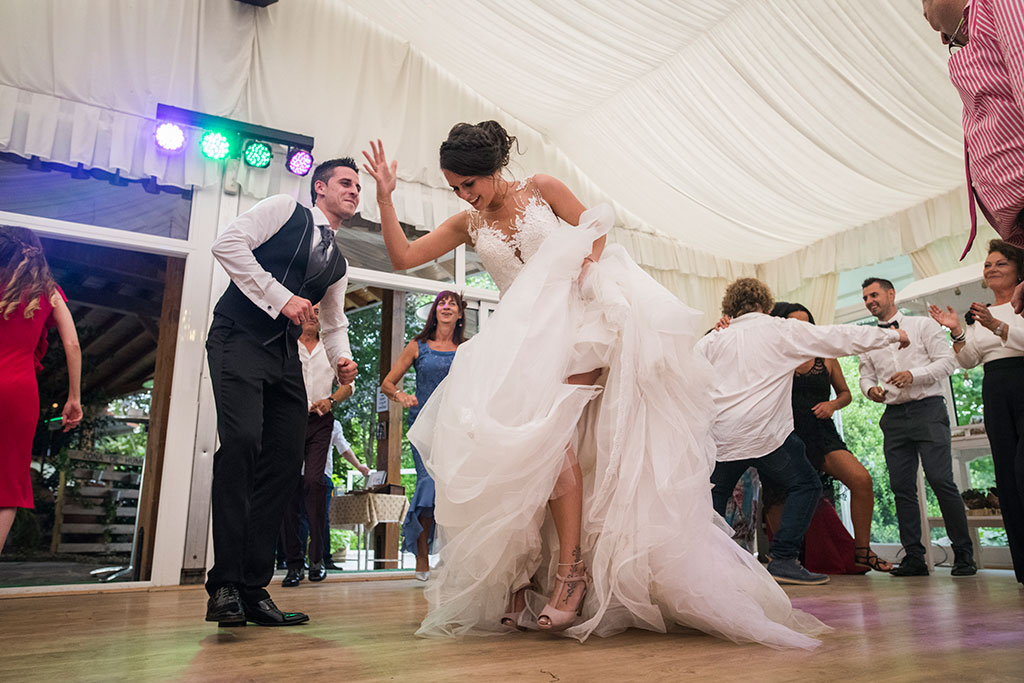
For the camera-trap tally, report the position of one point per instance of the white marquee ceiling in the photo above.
(746, 128)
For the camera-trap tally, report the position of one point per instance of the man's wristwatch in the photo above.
(332, 401)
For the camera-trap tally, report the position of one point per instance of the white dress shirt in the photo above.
(984, 345)
(233, 249)
(338, 441)
(929, 358)
(754, 359)
(317, 372)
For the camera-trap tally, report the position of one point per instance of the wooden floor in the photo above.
(886, 630)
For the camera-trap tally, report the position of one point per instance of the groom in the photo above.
(282, 259)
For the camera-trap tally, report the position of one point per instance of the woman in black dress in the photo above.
(812, 420)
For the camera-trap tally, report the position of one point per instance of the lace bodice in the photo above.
(504, 247)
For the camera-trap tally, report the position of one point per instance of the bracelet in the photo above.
(999, 330)
(380, 203)
(959, 338)
(587, 258)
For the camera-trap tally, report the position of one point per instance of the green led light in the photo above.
(257, 154)
(214, 145)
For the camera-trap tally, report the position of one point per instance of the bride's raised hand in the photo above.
(384, 174)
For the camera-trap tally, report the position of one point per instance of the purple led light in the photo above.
(300, 161)
(169, 137)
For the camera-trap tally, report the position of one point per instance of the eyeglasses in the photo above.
(953, 40)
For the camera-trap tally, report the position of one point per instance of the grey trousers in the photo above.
(919, 431)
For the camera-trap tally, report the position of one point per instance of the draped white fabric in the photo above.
(786, 138)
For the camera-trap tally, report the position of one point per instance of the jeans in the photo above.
(785, 468)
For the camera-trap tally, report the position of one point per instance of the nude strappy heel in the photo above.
(510, 619)
(554, 619)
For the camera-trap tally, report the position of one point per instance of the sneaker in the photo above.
(792, 572)
(911, 566)
(963, 565)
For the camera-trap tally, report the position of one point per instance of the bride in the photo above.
(570, 443)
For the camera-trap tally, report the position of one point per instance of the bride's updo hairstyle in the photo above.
(476, 150)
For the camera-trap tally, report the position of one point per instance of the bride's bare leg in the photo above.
(567, 513)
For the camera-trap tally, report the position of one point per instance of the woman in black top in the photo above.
(812, 420)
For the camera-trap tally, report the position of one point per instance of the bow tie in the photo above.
(895, 325)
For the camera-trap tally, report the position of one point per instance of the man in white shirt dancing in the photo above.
(282, 259)
(312, 489)
(754, 358)
(915, 426)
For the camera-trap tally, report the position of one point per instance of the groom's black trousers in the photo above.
(261, 421)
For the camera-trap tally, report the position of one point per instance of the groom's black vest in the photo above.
(286, 257)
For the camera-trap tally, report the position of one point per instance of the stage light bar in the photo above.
(214, 145)
(300, 161)
(169, 137)
(257, 154)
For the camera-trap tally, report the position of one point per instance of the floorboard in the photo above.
(934, 628)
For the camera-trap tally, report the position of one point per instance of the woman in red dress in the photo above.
(30, 304)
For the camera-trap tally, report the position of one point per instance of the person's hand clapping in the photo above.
(347, 370)
(983, 316)
(947, 318)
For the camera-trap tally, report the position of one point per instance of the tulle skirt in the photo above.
(494, 437)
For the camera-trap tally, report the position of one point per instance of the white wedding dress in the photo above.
(494, 434)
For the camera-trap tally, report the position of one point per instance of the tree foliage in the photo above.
(358, 415)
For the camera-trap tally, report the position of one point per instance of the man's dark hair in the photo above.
(882, 282)
(325, 170)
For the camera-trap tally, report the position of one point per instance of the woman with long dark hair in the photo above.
(431, 352)
(570, 443)
(813, 409)
(31, 303)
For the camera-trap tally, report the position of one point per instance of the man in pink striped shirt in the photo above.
(989, 74)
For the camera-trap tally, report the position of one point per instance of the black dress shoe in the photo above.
(329, 564)
(265, 613)
(963, 565)
(911, 566)
(292, 578)
(225, 607)
(317, 571)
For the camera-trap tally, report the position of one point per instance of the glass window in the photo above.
(92, 197)
(363, 245)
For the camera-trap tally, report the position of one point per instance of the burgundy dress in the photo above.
(22, 345)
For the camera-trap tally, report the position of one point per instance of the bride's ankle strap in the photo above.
(570, 564)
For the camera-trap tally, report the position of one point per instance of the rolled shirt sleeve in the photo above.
(233, 250)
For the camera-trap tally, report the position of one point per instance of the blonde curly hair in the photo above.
(745, 295)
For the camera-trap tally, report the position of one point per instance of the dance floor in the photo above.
(916, 629)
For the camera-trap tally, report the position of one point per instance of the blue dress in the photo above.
(431, 367)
